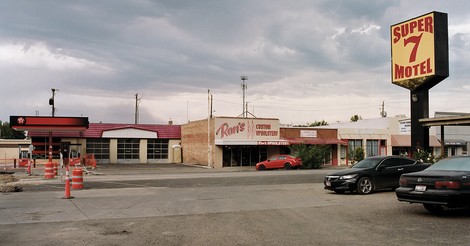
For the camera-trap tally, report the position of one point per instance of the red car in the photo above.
(279, 161)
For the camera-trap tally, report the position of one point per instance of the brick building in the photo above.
(231, 141)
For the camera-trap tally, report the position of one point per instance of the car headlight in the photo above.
(350, 176)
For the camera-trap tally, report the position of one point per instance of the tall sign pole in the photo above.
(420, 60)
(52, 103)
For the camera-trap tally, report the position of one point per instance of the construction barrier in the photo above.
(90, 160)
(74, 161)
(56, 169)
(77, 178)
(23, 162)
(8, 163)
(49, 170)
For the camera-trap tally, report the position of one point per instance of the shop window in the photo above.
(372, 147)
(353, 144)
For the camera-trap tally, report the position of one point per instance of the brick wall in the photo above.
(194, 142)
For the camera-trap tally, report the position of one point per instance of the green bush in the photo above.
(313, 156)
(424, 156)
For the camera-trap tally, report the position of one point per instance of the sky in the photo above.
(305, 60)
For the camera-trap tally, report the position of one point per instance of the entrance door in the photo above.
(128, 150)
(243, 155)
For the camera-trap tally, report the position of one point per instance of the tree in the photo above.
(7, 133)
(319, 123)
(315, 123)
(355, 118)
(313, 156)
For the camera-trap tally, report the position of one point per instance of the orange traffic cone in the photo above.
(67, 185)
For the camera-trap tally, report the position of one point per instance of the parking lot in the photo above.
(184, 205)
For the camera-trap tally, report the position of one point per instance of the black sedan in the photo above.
(373, 173)
(445, 184)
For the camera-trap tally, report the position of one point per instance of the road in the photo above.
(207, 207)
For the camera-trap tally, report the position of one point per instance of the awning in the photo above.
(405, 141)
(315, 141)
(280, 142)
(455, 142)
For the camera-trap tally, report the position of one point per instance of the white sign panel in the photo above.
(244, 128)
(308, 133)
(405, 127)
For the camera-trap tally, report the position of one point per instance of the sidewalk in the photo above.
(111, 172)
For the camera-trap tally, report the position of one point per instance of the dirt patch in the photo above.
(6, 185)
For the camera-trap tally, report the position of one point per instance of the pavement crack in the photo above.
(79, 209)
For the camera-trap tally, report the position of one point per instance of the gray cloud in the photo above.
(306, 60)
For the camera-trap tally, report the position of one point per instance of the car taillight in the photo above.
(403, 182)
(452, 185)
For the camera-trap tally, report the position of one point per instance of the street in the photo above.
(207, 207)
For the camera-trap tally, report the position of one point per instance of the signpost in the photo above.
(420, 60)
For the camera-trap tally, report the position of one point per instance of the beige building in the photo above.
(11, 149)
(377, 136)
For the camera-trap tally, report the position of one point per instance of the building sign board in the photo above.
(246, 128)
(420, 51)
(308, 133)
(405, 126)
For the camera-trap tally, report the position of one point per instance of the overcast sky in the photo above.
(306, 60)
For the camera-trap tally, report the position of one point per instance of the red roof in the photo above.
(95, 130)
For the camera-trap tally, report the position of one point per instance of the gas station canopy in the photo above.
(41, 123)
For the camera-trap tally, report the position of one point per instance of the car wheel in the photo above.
(288, 166)
(261, 167)
(365, 186)
(433, 208)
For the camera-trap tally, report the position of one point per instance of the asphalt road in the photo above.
(208, 207)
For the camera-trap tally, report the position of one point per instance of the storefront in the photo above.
(114, 143)
(229, 141)
(311, 136)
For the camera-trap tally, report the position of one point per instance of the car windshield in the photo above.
(367, 163)
(452, 164)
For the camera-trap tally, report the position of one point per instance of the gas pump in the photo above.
(23, 156)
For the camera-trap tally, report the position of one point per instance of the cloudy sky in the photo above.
(306, 60)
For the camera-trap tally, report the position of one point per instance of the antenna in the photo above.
(244, 87)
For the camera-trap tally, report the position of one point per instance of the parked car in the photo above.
(445, 184)
(372, 173)
(279, 161)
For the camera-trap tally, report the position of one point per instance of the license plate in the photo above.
(328, 183)
(420, 188)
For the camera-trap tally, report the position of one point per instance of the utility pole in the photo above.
(137, 99)
(383, 114)
(244, 87)
(51, 101)
(209, 146)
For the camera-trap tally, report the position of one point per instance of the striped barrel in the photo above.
(77, 179)
(49, 170)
